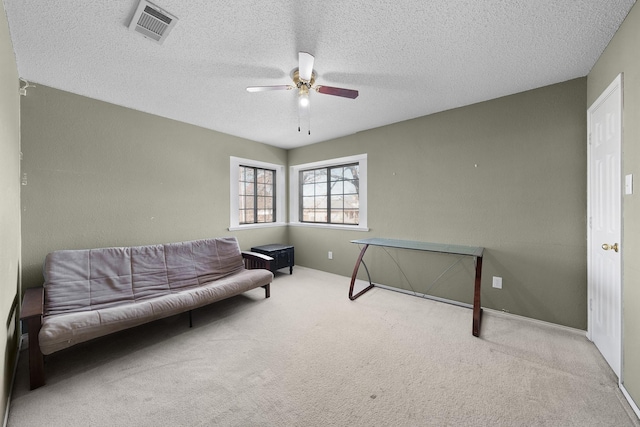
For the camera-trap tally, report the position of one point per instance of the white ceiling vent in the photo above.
(152, 22)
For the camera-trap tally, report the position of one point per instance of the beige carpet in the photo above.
(308, 356)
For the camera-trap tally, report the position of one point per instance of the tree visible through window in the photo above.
(256, 194)
(330, 195)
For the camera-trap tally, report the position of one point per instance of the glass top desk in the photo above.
(472, 251)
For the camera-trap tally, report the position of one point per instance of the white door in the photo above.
(604, 120)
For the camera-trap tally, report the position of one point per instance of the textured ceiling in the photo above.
(407, 58)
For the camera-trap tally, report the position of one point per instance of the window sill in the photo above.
(332, 226)
(252, 226)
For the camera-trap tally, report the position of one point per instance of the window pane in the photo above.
(351, 172)
(337, 187)
(351, 216)
(256, 190)
(351, 201)
(321, 202)
(308, 202)
(308, 215)
(341, 192)
(320, 175)
(350, 187)
(308, 190)
(306, 177)
(321, 216)
(337, 174)
(264, 215)
(337, 202)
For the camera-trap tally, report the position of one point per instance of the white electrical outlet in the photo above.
(330, 255)
(497, 282)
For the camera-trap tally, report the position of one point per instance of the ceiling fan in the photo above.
(304, 78)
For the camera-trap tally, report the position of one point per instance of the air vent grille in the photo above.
(156, 14)
(152, 22)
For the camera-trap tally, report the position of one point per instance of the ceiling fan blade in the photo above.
(305, 65)
(268, 88)
(337, 91)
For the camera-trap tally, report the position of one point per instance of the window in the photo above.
(257, 194)
(331, 193)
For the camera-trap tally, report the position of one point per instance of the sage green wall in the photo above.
(101, 175)
(9, 209)
(622, 56)
(508, 174)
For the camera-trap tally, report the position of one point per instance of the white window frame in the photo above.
(294, 192)
(280, 184)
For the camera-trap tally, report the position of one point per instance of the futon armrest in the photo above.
(255, 260)
(32, 303)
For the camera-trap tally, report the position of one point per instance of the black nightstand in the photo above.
(282, 255)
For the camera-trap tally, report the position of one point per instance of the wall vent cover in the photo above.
(152, 21)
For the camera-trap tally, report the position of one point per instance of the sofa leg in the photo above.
(190, 319)
(36, 359)
(267, 290)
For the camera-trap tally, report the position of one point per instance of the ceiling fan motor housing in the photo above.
(302, 85)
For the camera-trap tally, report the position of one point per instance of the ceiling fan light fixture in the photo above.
(304, 99)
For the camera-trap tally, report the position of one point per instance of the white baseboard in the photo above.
(364, 283)
(630, 400)
(532, 320)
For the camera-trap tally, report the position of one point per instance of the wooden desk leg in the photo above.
(355, 273)
(477, 309)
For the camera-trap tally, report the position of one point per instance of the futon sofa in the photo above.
(90, 293)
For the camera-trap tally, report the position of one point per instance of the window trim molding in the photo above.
(294, 198)
(280, 185)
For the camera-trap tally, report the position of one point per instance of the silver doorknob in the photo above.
(607, 247)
